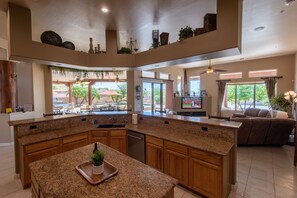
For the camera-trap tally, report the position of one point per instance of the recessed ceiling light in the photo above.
(260, 28)
(105, 10)
(288, 2)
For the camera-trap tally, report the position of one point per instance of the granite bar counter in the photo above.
(56, 177)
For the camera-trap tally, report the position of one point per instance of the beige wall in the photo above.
(285, 66)
(174, 72)
(3, 25)
(38, 88)
(295, 78)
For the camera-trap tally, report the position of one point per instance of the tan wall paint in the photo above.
(284, 64)
(174, 72)
(132, 81)
(24, 83)
(3, 25)
(38, 87)
(295, 78)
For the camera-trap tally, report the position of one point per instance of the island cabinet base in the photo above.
(209, 174)
(203, 172)
(34, 152)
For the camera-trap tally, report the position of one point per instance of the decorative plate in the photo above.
(51, 38)
(69, 45)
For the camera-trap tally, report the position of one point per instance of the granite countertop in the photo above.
(49, 118)
(57, 177)
(186, 138)
(181, 137)
(43, 136)
(202, 120)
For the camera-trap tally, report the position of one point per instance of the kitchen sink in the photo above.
(115, 125)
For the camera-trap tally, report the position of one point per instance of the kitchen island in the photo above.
(199, 152)
(57, 177)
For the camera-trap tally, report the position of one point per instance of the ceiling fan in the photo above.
(210, 70)
(117, 79)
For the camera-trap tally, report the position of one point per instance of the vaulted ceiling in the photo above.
(77, 20)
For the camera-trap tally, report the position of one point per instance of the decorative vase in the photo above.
(97, 170)
(164, 38)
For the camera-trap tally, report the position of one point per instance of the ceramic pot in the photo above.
(97, 170)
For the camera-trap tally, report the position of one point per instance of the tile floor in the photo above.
(262, 172)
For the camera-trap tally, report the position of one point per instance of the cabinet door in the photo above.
(176, 165)
(32, 157)
(118, 140)
(205, 178)
(154, 156)
(99, 136)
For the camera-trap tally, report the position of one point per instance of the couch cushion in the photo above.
(252, 112)
(279, 131)
(264, 113)
(243, 132)
(259, 131)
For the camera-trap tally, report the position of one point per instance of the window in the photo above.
(164, 76)
(242, 96)
(148, 74)
(263, 73)
(231, 75)
(194, 85)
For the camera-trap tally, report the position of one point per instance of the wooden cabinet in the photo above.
(99, 136)
(154, 152)
(34, 152)
(176, 161)
(206, 174)
(75, 141)
(118, 140)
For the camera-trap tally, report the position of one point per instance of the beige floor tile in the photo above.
(234, 195)
(190, 195)
(240, 189)
(261, 173)
(178, 192)
(20, 194)
(283, 192)
(251, 192)
(259, 184)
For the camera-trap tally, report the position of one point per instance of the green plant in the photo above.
(125, 50)
(280, 103)
(97, 158)
(185, 33)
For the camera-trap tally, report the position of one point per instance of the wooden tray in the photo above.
(86, 170)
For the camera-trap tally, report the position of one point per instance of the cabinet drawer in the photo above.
(207, 157)
(154, 140)
(117, 133)
(75, 144)
(99, 133)
(176, 147)
(41, 146)
(73, 138)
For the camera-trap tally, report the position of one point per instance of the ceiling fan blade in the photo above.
(219, 70)
(203, 72)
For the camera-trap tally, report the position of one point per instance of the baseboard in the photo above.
(6, 144)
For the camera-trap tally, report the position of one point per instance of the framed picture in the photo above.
(203, 93)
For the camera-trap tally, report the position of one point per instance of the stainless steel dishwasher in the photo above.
(136, 146)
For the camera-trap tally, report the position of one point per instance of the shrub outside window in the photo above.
(239, 97)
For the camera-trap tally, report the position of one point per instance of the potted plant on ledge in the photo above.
(98, 159)
(185, 33)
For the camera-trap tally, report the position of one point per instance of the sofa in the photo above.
(259, 128)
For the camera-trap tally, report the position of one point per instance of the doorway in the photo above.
(154, 97)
